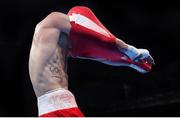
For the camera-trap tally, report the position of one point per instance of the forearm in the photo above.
(121, 44)
(129, 50)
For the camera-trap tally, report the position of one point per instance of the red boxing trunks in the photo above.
(91, 40)
(58, 103)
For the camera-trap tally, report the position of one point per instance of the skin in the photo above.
(49, 53)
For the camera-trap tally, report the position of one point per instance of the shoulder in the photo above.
(54, 19)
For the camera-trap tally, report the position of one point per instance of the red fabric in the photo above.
(89, 14)
(71, 112)
(88, 43)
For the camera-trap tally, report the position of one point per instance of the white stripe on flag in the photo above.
(86, 22)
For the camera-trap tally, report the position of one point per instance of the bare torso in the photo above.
(49, 72)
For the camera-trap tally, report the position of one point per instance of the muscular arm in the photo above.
(47, 33)
(46, 36)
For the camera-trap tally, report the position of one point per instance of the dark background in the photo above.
(100, 90)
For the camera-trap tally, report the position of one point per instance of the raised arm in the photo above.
(91, 40)
(48, 31)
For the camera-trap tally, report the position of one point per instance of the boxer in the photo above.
(78, 34)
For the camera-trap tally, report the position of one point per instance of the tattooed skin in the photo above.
(55, 71)
(56, 67)
(51, 73)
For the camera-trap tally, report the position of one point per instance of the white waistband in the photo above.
(57, 99)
